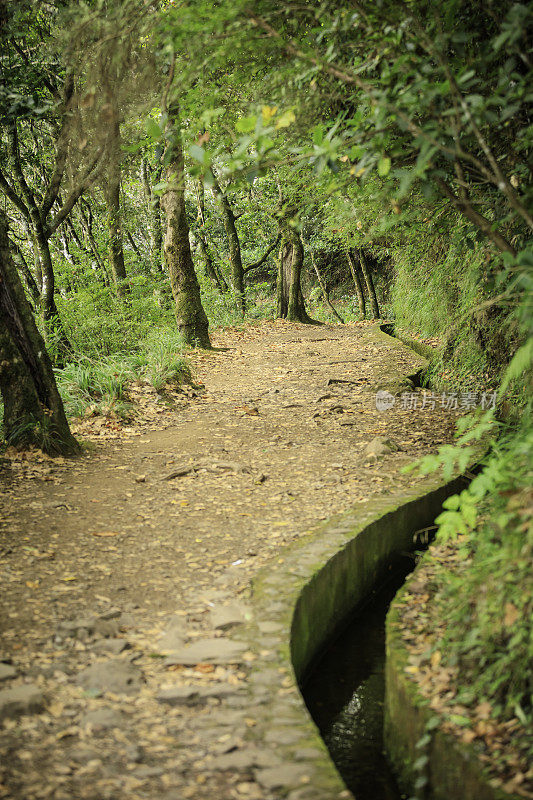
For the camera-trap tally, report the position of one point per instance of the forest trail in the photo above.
(110, 567)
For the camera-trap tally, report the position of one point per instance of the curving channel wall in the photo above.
(310, 593)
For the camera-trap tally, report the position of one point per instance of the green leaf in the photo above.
(452, 502)
(246, 124)
(420, 763)
(469, 513)
(384, 165)
(198, 153)
(458, 719)
(152, 129)
(423, 741)
(286, 119)
(318, 134)
(522, 360)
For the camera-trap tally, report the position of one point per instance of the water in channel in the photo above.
(344, 693)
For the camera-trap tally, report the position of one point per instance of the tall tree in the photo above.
(33, 409)
(111, 191)
(357, 283)
(290, 299)
(38, 103)
(234, 244)
(211, 269)
(438, 100)
(153, 202)
(367, 275)
(190, 315)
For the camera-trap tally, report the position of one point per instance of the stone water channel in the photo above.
(344, 693)
(344, 686)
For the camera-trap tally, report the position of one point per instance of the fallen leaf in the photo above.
(484, 710)
(436, 658)
(511, 615)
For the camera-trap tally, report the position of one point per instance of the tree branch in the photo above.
(50, 86)
(19, 174)
(13, 196)
(330, 68)
(75, 195)
(263, 257)
(61, 151)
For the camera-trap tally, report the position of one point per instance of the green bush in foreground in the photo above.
(487, 601)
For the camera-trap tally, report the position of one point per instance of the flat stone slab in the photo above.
(275, 777)
(115, 676)
(102, 718)
(112, 646)
(171, 641)
(245, 758)
(195, 695)
(7, 672)
(173, 637)
(27, 699)
(212, 651)
(225, 617)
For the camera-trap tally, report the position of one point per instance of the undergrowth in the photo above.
(102, 383)
(487, 601)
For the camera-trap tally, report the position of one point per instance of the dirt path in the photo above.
(110, 568)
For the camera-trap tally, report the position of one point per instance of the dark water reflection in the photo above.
(344, 694)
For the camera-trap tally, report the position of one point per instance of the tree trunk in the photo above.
(190, 315)
(234, 246)
(87, 230)
(47, 271)
(114, 221)
(210, 269)
(369, 284)
(153, 202)
(358, 285)
(26, 273)
(55, 335)
(33, 409)
(134, 247)
(290, 300)
(36, 260)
